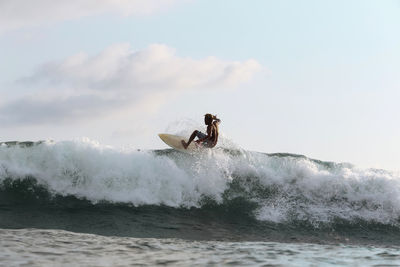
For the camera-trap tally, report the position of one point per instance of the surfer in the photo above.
(207, 140)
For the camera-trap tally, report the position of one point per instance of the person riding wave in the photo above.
(206, 140)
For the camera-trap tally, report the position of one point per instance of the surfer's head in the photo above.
(208, 118)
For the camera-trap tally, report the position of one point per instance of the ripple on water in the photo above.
(49, 247)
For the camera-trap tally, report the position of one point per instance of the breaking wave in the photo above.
(278, 188)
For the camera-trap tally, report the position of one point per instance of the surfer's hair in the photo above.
(208, 118)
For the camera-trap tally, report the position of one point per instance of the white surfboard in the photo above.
(174, 141)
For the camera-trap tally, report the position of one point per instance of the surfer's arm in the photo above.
(216, 120)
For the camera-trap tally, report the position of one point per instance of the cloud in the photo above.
(84, 86)
(155, 68)
(16, 14)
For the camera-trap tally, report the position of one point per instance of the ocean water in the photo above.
(82, 203)
(33, 247)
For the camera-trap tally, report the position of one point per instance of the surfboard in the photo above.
(174, 141)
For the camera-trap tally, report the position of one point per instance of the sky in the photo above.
(318, 78)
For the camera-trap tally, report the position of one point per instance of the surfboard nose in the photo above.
(175, 142)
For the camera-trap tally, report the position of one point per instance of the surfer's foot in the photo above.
(184, 144)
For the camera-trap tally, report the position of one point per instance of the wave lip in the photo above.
(277, 188)
(22, 143)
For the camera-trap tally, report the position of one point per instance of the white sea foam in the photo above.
(285, 188)
(87, 169)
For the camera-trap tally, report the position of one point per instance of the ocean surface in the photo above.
(85, 204)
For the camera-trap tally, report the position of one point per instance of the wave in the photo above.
(276, 188)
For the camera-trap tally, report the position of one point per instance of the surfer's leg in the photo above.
(194, 134)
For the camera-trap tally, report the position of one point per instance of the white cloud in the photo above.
(83, 86)
(16, 14)
(155, 68)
